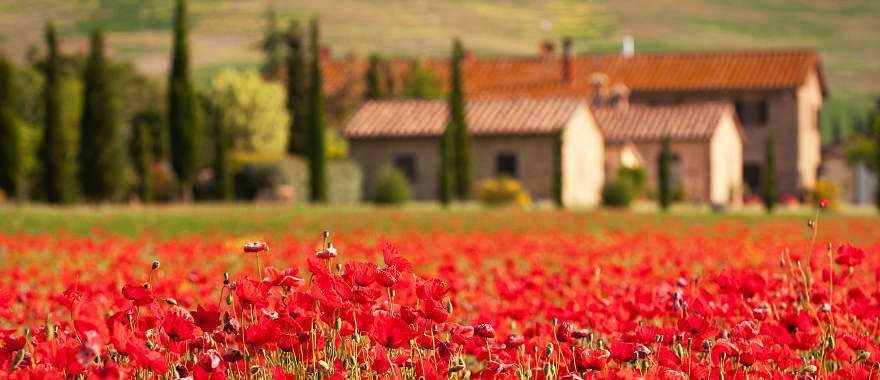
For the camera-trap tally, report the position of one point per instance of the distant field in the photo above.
(226, 32)
(302, 220)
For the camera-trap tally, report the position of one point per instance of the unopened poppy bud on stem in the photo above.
(155, 264)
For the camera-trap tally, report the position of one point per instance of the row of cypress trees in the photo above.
(97, 168)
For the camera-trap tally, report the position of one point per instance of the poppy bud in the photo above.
(155, 264)
(147, 285)
(256, 247)
(150, 345)
(811, 368)
(171, 301)
(449, 307)
(548, 350)
(225, 278)
(324, 365)
(863, 355)
(824, 203)
(337, 324)
(232, 355)
(484, 330)
(811, 223)
(229, 299)
(456, 368)
(256, 369)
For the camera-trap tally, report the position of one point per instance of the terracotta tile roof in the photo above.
(638, 122)
(661, 72)
(497, 116)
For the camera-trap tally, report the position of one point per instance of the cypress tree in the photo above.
(373, 78)
(557, 169)
(101, 157)
(142, 152)
(296, 82)
(665, 185)
(317, 144)
(183, 127)
(10, 136)
(770, 191)
(460, 135)
(272, 45)
(224, 187)
(56, 155)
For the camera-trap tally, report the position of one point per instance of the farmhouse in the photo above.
(773, 92)
(517, 137)
(705, 139)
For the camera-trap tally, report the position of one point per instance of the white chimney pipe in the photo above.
(629, 46)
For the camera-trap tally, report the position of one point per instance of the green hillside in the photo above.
(847, 33)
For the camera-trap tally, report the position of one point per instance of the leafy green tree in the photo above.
(182, 118)
(296, 84)
(56, 153)
(460, 135)
(665, 180)
(557, 169)
(252, 112)
(142, 153)
(101, 157)
(420, 83)
(317, 139)
(770, 192)
(373, 78)
(272, 46)
(11, 157)
(875, 127)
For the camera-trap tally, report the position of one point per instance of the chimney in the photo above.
(597, 86)
(629, 46)
(567, 64)
(619, 97)
(547, 51)
(324, 53)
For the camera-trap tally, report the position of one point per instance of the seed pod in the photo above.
(255, 370)
(229, 299)
(324, 365)
(171, 301)
(147, 285)
(155, 264)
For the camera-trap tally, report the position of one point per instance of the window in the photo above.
(752, 113)
(752, 176)
(406, 163)
(505, 164)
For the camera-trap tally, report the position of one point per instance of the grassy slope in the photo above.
(847, 33)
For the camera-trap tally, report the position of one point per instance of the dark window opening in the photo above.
(406, 163)
(505, 164)
(752, 177)
(752, 113)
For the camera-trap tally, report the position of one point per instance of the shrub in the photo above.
(826, 189)
(618, 192)
(636, 176)
(392, 188)
(504, 191)
(288, 179)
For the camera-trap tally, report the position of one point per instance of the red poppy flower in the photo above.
(359, 273)
(138, 294)
(848, 255)
(208, 318)
(591, 359)
(178, 324)
(391, 332)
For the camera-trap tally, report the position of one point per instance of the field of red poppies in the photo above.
(501, 295)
